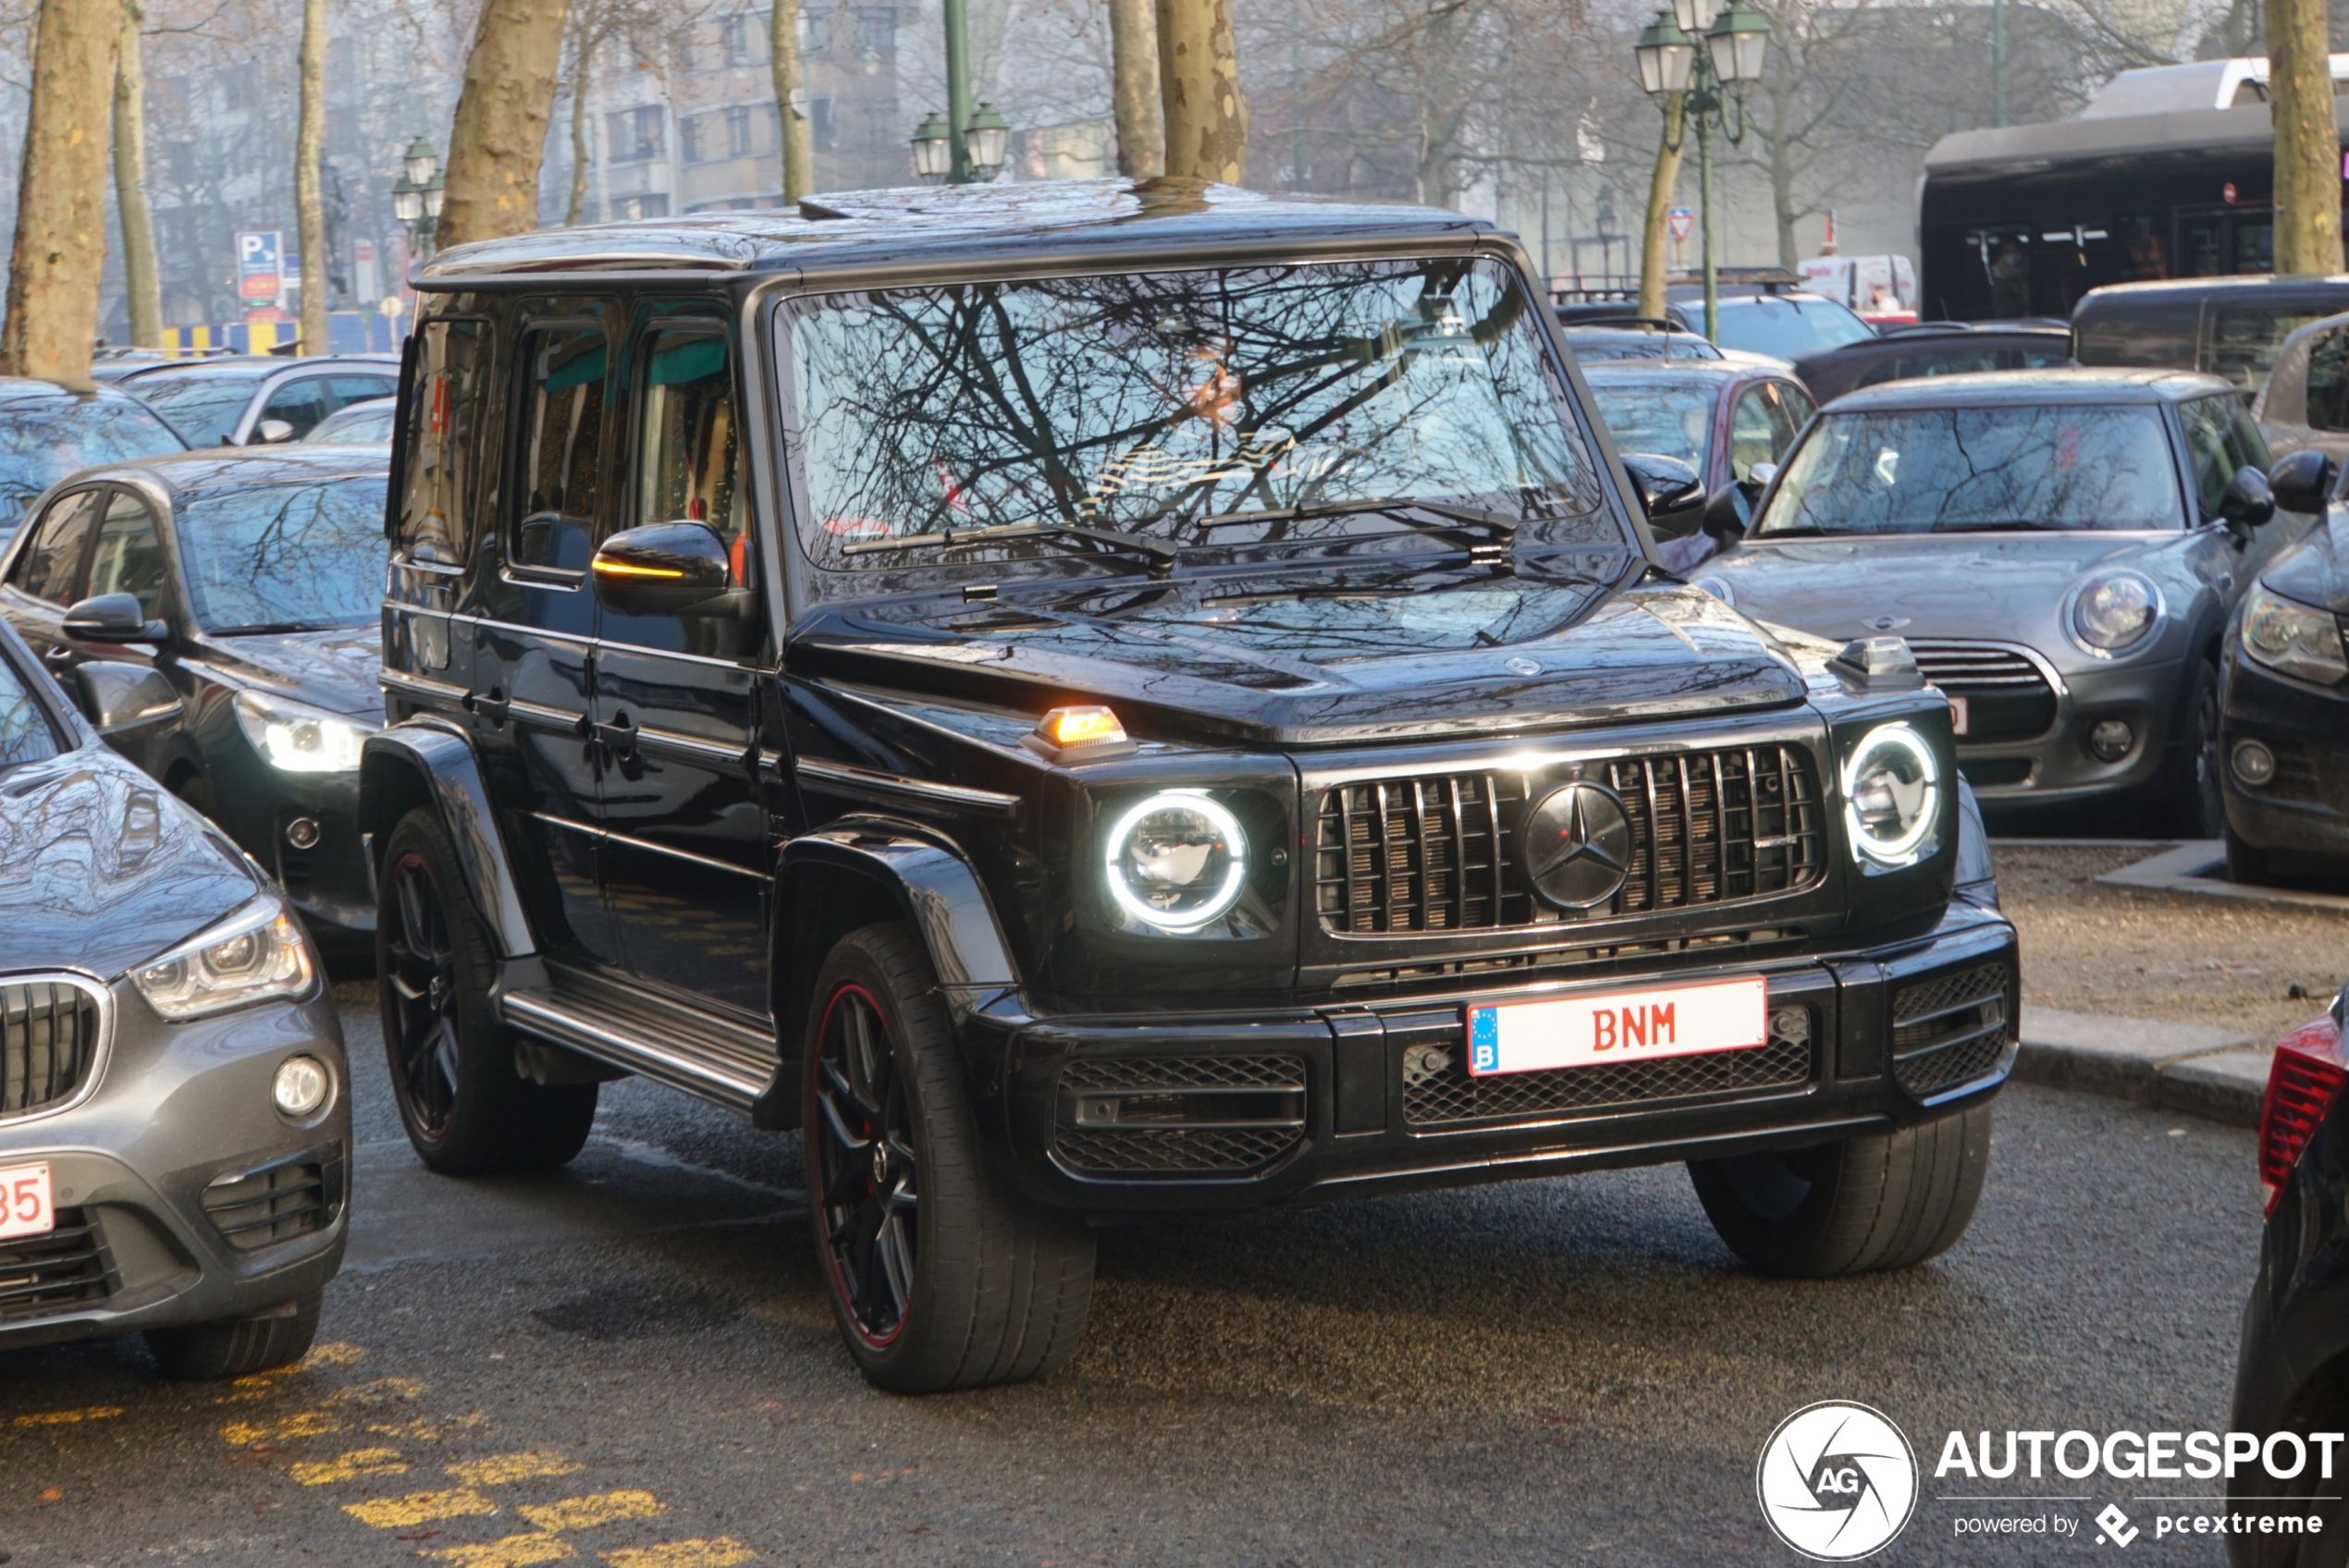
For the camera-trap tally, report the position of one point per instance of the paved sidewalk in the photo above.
(2204, 1071)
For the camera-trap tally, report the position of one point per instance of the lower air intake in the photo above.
(1951, 1030)
(1178, 1115)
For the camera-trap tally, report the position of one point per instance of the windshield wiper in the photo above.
(1158, 552)
(2005, 525)
(1392, 506)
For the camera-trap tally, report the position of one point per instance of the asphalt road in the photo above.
(630, 1363)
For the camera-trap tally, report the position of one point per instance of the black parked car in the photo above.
(175, 1124)
(1126, 702)
(259, 399)
(50, 428)
(2232, 326)
(1724, 418)
(2291, 1373)
(2284, 715)
(1942, 348)
(1598, 339)
(252, 583)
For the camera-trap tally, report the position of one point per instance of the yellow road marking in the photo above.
(419, 1508)
(501, 1468)
(587, 1512)
(68, 1417)
(425, 1429)
(376, 1392)
(301, 1424)
(723, 1553)
(338, 1354)
(514, 1552)
(350, 1466)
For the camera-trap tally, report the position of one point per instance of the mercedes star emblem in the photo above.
(1885, 623)
(1578, 845)
(1520, 667)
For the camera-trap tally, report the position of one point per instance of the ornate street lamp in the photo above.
(421, 163)
(1665, 55)
(416, 195)
(1714, 80)
(987, 140)
(933, 150)
(1736, 44)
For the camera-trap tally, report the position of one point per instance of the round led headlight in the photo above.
(301, 1086)
(2114, 610)
(1891, 795)
(1177, 860)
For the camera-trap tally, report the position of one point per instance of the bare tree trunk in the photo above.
(1782, 197)
(1141, 122)
(141, 281)
(499, 136)
(2308, 139)
(310, 146)
(791, 102)
(1661, 184)
(1198, 84)
(583, 71)
(61, 192)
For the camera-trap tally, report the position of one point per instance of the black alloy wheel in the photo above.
(2209, 801)
(868, 1171)
(420, 979)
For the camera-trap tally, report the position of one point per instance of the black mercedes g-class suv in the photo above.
(1092, 700)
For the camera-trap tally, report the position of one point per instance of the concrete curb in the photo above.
(2215, 1073)
(2199, 868)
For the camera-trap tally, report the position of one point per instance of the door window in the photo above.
(129, 558)
(2241, 342)
(688, 458)
(2220, 439)
(300, 403)
(2329, 380)
(349, 389)
(51, 566)
(443, 407)
(1762, 425)
(561, 450)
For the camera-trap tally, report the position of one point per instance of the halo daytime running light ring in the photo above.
(2082, 601)
(1907, 846)
(1118, 840)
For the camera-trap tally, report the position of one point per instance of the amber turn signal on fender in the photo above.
(1091, 730)
(606, 566)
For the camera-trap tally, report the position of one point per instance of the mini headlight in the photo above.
(1891, 795)
(256, 955)
(1716, 586)
(1177, 860)
(297, 738)
(2114, 610)
(2293, 637)
(301, 1086)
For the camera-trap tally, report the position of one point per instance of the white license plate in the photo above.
(25, 1206)
(1960, 715)
(1718, 1015)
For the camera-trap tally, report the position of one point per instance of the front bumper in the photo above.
(327, 880)
(1315, 1104)
(182, 1196)
(2055, 765)
(2305, 805)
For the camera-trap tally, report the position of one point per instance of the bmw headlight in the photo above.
(2293, 637)
(1891, 795)
(256, 955)
(2114, 610)
(1177, 860)
(297, 738)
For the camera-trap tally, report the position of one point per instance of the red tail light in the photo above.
(2303, 1081)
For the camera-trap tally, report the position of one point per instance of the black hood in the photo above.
(100, 869)
(334, 669)
(1291, 660)
(2314, 570)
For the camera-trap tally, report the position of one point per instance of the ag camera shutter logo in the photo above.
(1837, 1481)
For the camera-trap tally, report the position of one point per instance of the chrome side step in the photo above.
(623, 1044)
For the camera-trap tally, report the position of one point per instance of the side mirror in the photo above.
(2248, 502)
(271, 433)
(666, 569)
(1758, 476)
(112, 617)
(1664, 485)
(2303, 481)
(123, 696)
(1730, 512)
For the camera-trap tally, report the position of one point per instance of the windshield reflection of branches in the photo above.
(1141, 400)
(1953, 470)
(306, 554)
(25, 733)
(39, 447)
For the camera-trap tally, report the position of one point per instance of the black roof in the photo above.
(1049, 220)
(2017, 387)
(2124, 296)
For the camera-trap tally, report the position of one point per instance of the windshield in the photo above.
(1147, 403)
(26, 734)
(370, 421)
(42, 442)
(1763, 323)
(202, 405)
(1942, 471)
(1671, 417)
(285, 556)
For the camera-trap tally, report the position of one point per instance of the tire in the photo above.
(2246, 863)
(233, 1347)
(2185, 795)
(468, 1112)
(197, 791)
(1854, 1207)
(940, 1276)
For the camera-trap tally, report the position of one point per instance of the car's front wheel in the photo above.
(941, 1277)
(467, 1110)
(234, 1347)
(1857, 1206)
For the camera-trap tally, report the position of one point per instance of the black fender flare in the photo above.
(903, 872)
(429, 762)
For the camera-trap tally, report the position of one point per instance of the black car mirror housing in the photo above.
(2303, 481)
(2248, 503)
(1665, 485)
(1729, 513)
(112, 617)
(124, 697)
(664, 568)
